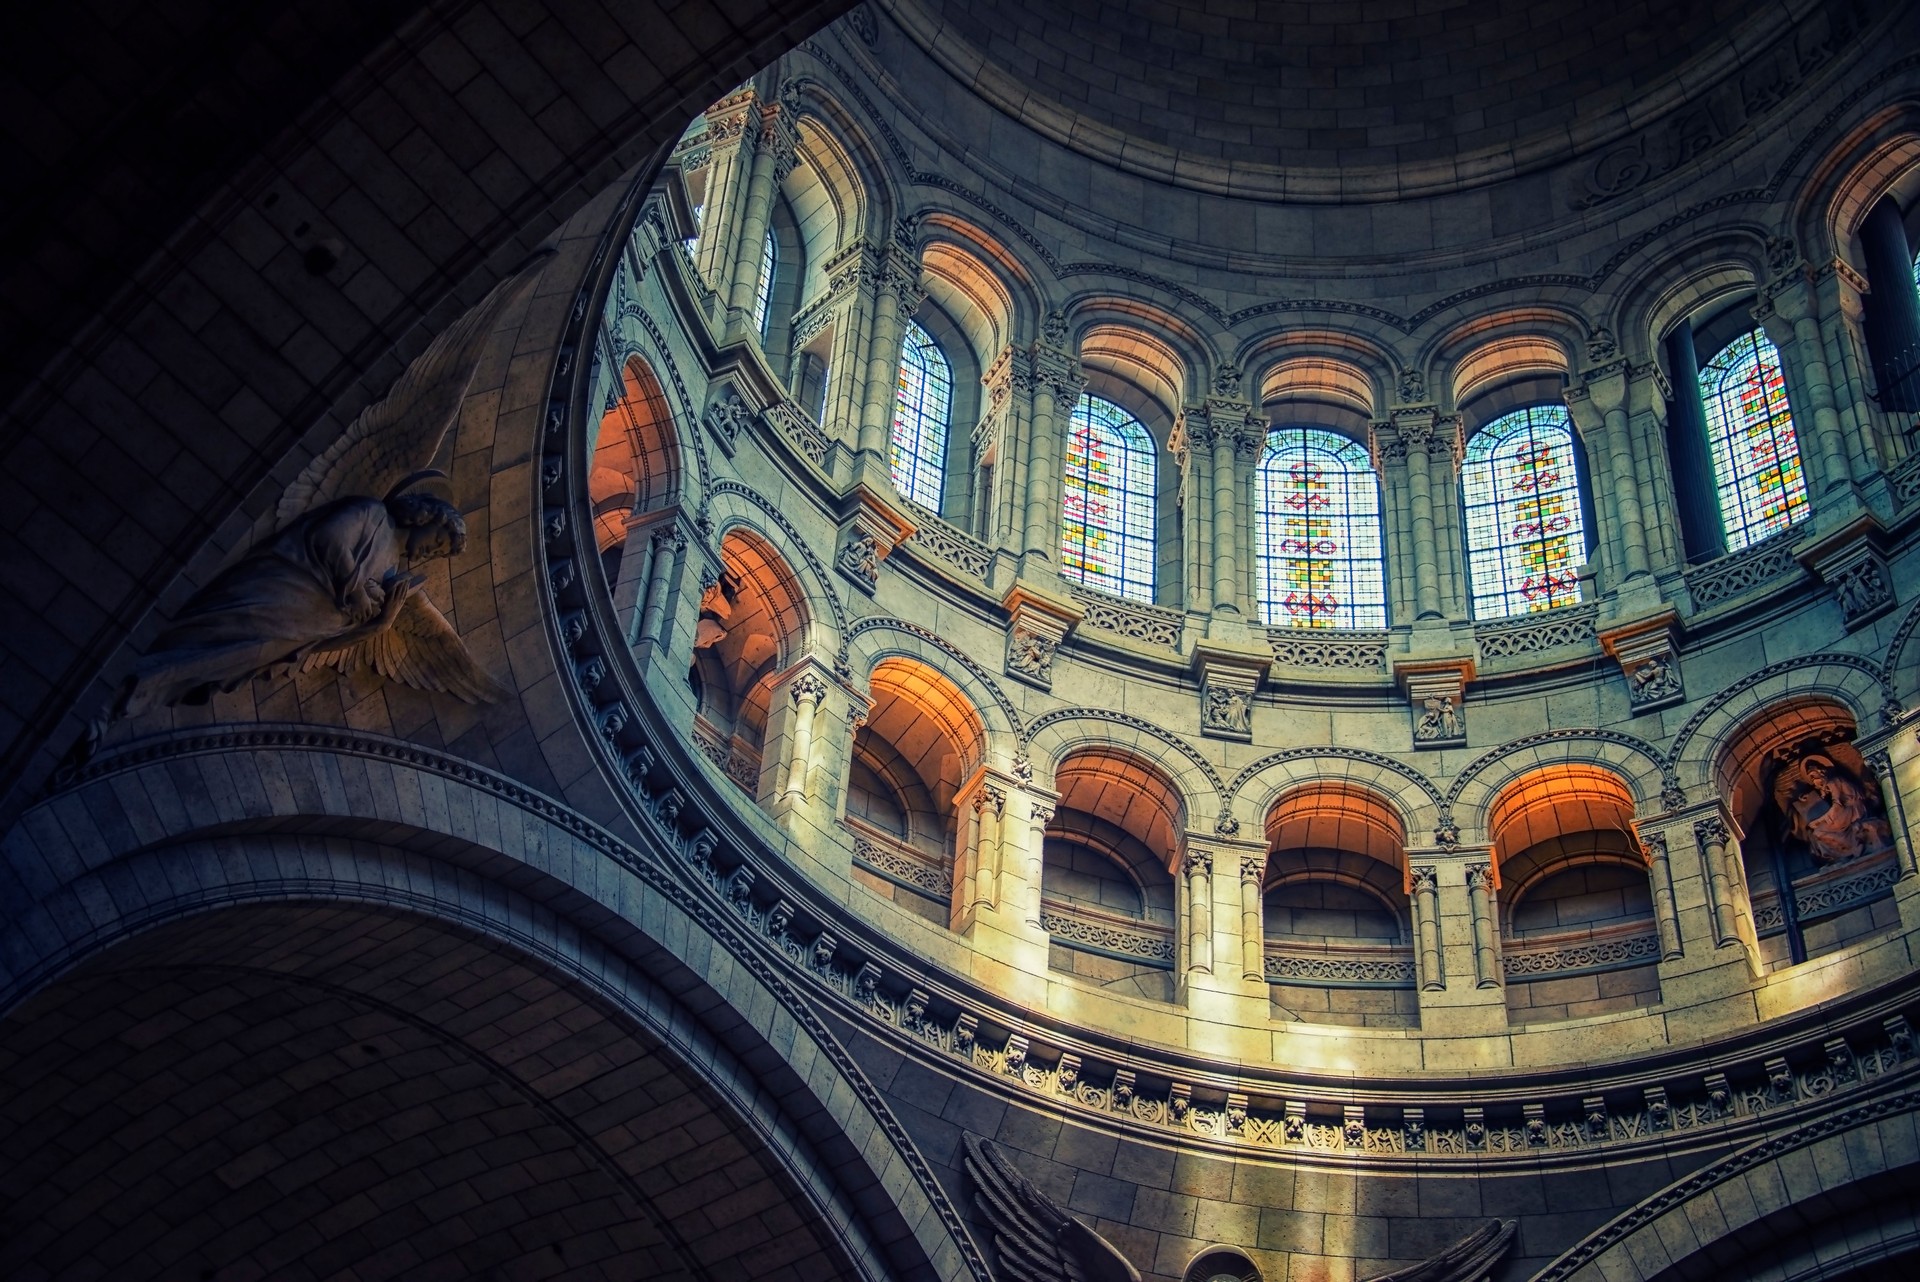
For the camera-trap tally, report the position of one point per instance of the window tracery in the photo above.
(1107, 521)
(1320, 560)
(1526, 535)
(921, 415)
(769, 260)
(1756, 453)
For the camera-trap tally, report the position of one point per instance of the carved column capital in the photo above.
(807, 688)
(1198, 863)
(1252, 869)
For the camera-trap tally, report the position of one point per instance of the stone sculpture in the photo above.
(1832, 805)
(336, 585)
(1035, 1240)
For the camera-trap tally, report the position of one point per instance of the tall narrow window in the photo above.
(1756, 455)
(920, 416)
(1525, 536)
(769, 259)
(1106, 528)
(1319, 530)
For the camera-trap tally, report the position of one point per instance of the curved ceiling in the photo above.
(1326, 99)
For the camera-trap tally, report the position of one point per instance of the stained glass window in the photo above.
(1319, 530)
(769, 259)
(920, 414)
(1756, 455)
(1525, 536)
(1106, 528)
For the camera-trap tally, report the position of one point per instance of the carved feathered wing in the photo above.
(1468, 1260)
(401, 433)
(1036, 1240)
(421, 649)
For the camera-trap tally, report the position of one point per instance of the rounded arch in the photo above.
(1127, 789)
(732, 505)
(1477, 355)
(1639, 764)
(972, 294)
(878, 638)
(636, 454)
(925, 716)
(1261, 784)
(828, 197)
(1879, 156)
(1056, 735)
(1557, 801)
(1337, 815)
(1327, 367)
(1704, 273)
(1009, 272)
(1740, 767)
(421, 833)
(1846, 679)
(1145, 348)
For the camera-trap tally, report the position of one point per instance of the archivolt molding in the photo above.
(1849, 179)
(1643, 767)
(791, 544)
(910, 640)
(1890, 670)
(1413, 795)
(658, 355)
(1855, 682)
(1055, 735)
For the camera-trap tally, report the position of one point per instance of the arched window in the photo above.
(769, 259)
(1525, 536)
(1756, 455)
(920, 415)
(1319, 529)
(1106, 528)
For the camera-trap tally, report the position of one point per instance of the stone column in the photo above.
(1225, 518)
(1389, 450)
(731, 144)
(1481, 900)
(1787, 312)
(665, 549)
(1416, 426)
(852, 275)
(1423, 891)
(898, 295)
(1660, 879)
(806, 691)
(1715, 840)
(1197, 914)
(1892, 307)
(1697, 505)
(1648, 395)
(1055, 383)
(1253, 952)
(989, 809)
(1599, 409)
(773, 160)
(1039, 815)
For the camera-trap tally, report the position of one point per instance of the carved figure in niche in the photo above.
(337, 584)
(1654, 679)
(1031, 655)
(1229, 709)
(1831, 804)
(1861, 588)
(1441, 720)
(1413, 387)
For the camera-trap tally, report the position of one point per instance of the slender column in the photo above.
(990, 804)
(1660, 878)
(771, 161)
(731, 146)
(1426, 926)
(1893, 308)
(1480, 900)
(1253, 951)
(1417, 432)
(1714, 841)
(1054, 381)
(1626, 492)
(896, 288)
(807, 691)
(1225, 599)
(1039, 815)
(1882, 764)
(666, 547)
(1787, 314)
(1199, 878)
(1701, 530)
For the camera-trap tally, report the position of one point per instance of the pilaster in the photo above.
(1717, 951)
(1467, 997)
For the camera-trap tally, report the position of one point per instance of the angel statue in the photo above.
(1035, 1240)
(337, 584)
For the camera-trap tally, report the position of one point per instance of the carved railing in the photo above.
(937, 540)
(1345, 966)
(1906, 480)
(901, 864)
(794, 423)
(1556, 956)
(1153, 624)
(1126, 938)
(1330, 649)
(732, 760)
(1730, 576)
(1531, 633)
(1827, 894)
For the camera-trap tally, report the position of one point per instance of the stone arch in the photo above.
(353, 818)
(1697, 1233)
(1880, 156)
(1555, 800)
(734, 506)
(1305, 388)
(1848, 679)
(1899, 673)
(1701, 273)
(1010, 273)
(635, 455)
(972, 295)
(1334, 366)
(1478, 354)
(1259, 785)
(827, 193)
(1055, 735)
(1144, 347)
(879, 637)
(1640, 764)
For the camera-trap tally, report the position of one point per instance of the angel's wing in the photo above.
(1034, 1238)
(402, 432)
(421, 649)
(1468, 1260)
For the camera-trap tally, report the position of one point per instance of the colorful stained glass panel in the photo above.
(1106, 527)
(1526, 538)
(920, 416)
(1756, 453)
(1318, 516)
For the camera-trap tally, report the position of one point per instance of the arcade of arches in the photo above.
(1308, 622)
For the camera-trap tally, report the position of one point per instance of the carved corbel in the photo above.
(1436, 700)
(1649, 662)
(868, 533)
(1036, 626)
(1229, 678)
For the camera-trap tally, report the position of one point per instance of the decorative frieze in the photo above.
(935, 540)
(1107, 936)
(1732, 576)
(1340, 651)
(1340, 969)
(788, 421)
(1154, 624)
(1569, 625)
(1531, 959)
